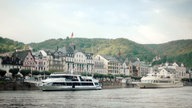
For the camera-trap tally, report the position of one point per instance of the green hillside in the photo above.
(7, 45)
(173, 48)
(174, 51)
(122, 48)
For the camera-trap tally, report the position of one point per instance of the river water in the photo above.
(107, 98)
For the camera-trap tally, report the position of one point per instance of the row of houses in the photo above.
(174, 68)
(70, 60)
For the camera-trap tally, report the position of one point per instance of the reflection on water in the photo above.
(108, 98)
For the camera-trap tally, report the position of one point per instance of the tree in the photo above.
(14, 71)
(100, 76)
(110, 76)
(86, 74)
(2, 73)
(35, 72)
(47, 73)
(25, 72)
(44, 73)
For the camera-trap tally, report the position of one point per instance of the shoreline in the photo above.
(17, 86)
(13, 86)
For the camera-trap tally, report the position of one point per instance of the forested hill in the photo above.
(172, 48)
(120, 47)
(174, 51)
(7, 45)
(178, 51)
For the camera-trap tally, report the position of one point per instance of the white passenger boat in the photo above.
(154, 80)
(59, 82)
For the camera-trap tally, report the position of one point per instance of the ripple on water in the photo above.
(108, 98)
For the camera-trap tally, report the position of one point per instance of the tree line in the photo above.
(24, 72)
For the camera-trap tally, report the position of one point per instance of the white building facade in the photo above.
(99, 65)
(179, 70)
(111, 64)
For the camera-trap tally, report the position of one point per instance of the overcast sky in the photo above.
(142, 21)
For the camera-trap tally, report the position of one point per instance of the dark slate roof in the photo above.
(49, 52)
(61, 52)
(21, 54)
(58, 54)
(133, 59)
(89, 55)
(11, 60)
(70, 50)
(17, 58)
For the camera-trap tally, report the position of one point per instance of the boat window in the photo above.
(74, 78)
(164, 81)
(96, 83)
(69, 78)
(84, 79)
(77, 84)
(87, 84)
(69, 84)
(56, 76)
(58, 84)
(149, 81)
(88, 80)
(81, 78)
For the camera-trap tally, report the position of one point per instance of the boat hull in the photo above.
(68, 88)
(159, 85)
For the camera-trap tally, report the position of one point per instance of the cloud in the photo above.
(164, 24)
(143, 21)
(173, 26)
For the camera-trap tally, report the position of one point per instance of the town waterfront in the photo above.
(106, 98)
